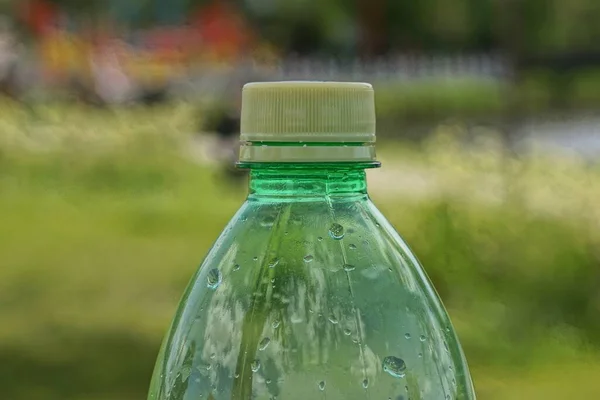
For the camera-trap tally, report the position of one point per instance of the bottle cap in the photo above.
(305, 121)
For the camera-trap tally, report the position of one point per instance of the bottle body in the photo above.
(310, 293)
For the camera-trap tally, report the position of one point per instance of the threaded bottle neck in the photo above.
(295, 182)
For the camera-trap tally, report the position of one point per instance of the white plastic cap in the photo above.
(307, 112)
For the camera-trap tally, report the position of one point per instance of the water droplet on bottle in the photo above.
(268, 221)
(255, 366)
(422, 338)
(236, 376)
(377, 224)
(264, 344)
(186, 370)
(333, 319)
(349, 267)
(254, 258)
(365, 383)
(420, 355)
(212, 356)
(213, 280)
(276, 324)
(273, 263)
(296, 319)
(394, 366)
(336, 231)
(347, 332)
(448, 397)
(407, 335)
(320, 238)
(243, 218)
(308, 258)
(268, 381)
(352, 246)
(236, 267)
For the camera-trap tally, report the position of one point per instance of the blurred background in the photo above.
(118, 125)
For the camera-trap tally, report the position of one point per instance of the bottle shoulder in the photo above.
(290, 289)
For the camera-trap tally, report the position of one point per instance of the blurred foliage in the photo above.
(104, 218)
(317, 27)
(406, 103)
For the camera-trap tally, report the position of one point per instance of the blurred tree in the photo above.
(481, 20)
(304, 27)
(150, 12)
(374, 35)
(574, 25)
(448, 23)
(404, 25)
(312, 27)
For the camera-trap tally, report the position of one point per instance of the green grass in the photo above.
(434, 100)
(102, 223)
(440, 98)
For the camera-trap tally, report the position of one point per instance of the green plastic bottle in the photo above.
(309, 292)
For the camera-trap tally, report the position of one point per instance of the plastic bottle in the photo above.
(309, 292)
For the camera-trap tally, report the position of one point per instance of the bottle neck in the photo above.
(307, 182)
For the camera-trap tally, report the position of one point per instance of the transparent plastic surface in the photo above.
(309, 293)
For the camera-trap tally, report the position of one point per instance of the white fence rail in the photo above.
(398, 68)
(401, 69)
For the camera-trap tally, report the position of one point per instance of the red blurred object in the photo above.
(222, 28)
(163, 38)
(170, 44)
(38, 15)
